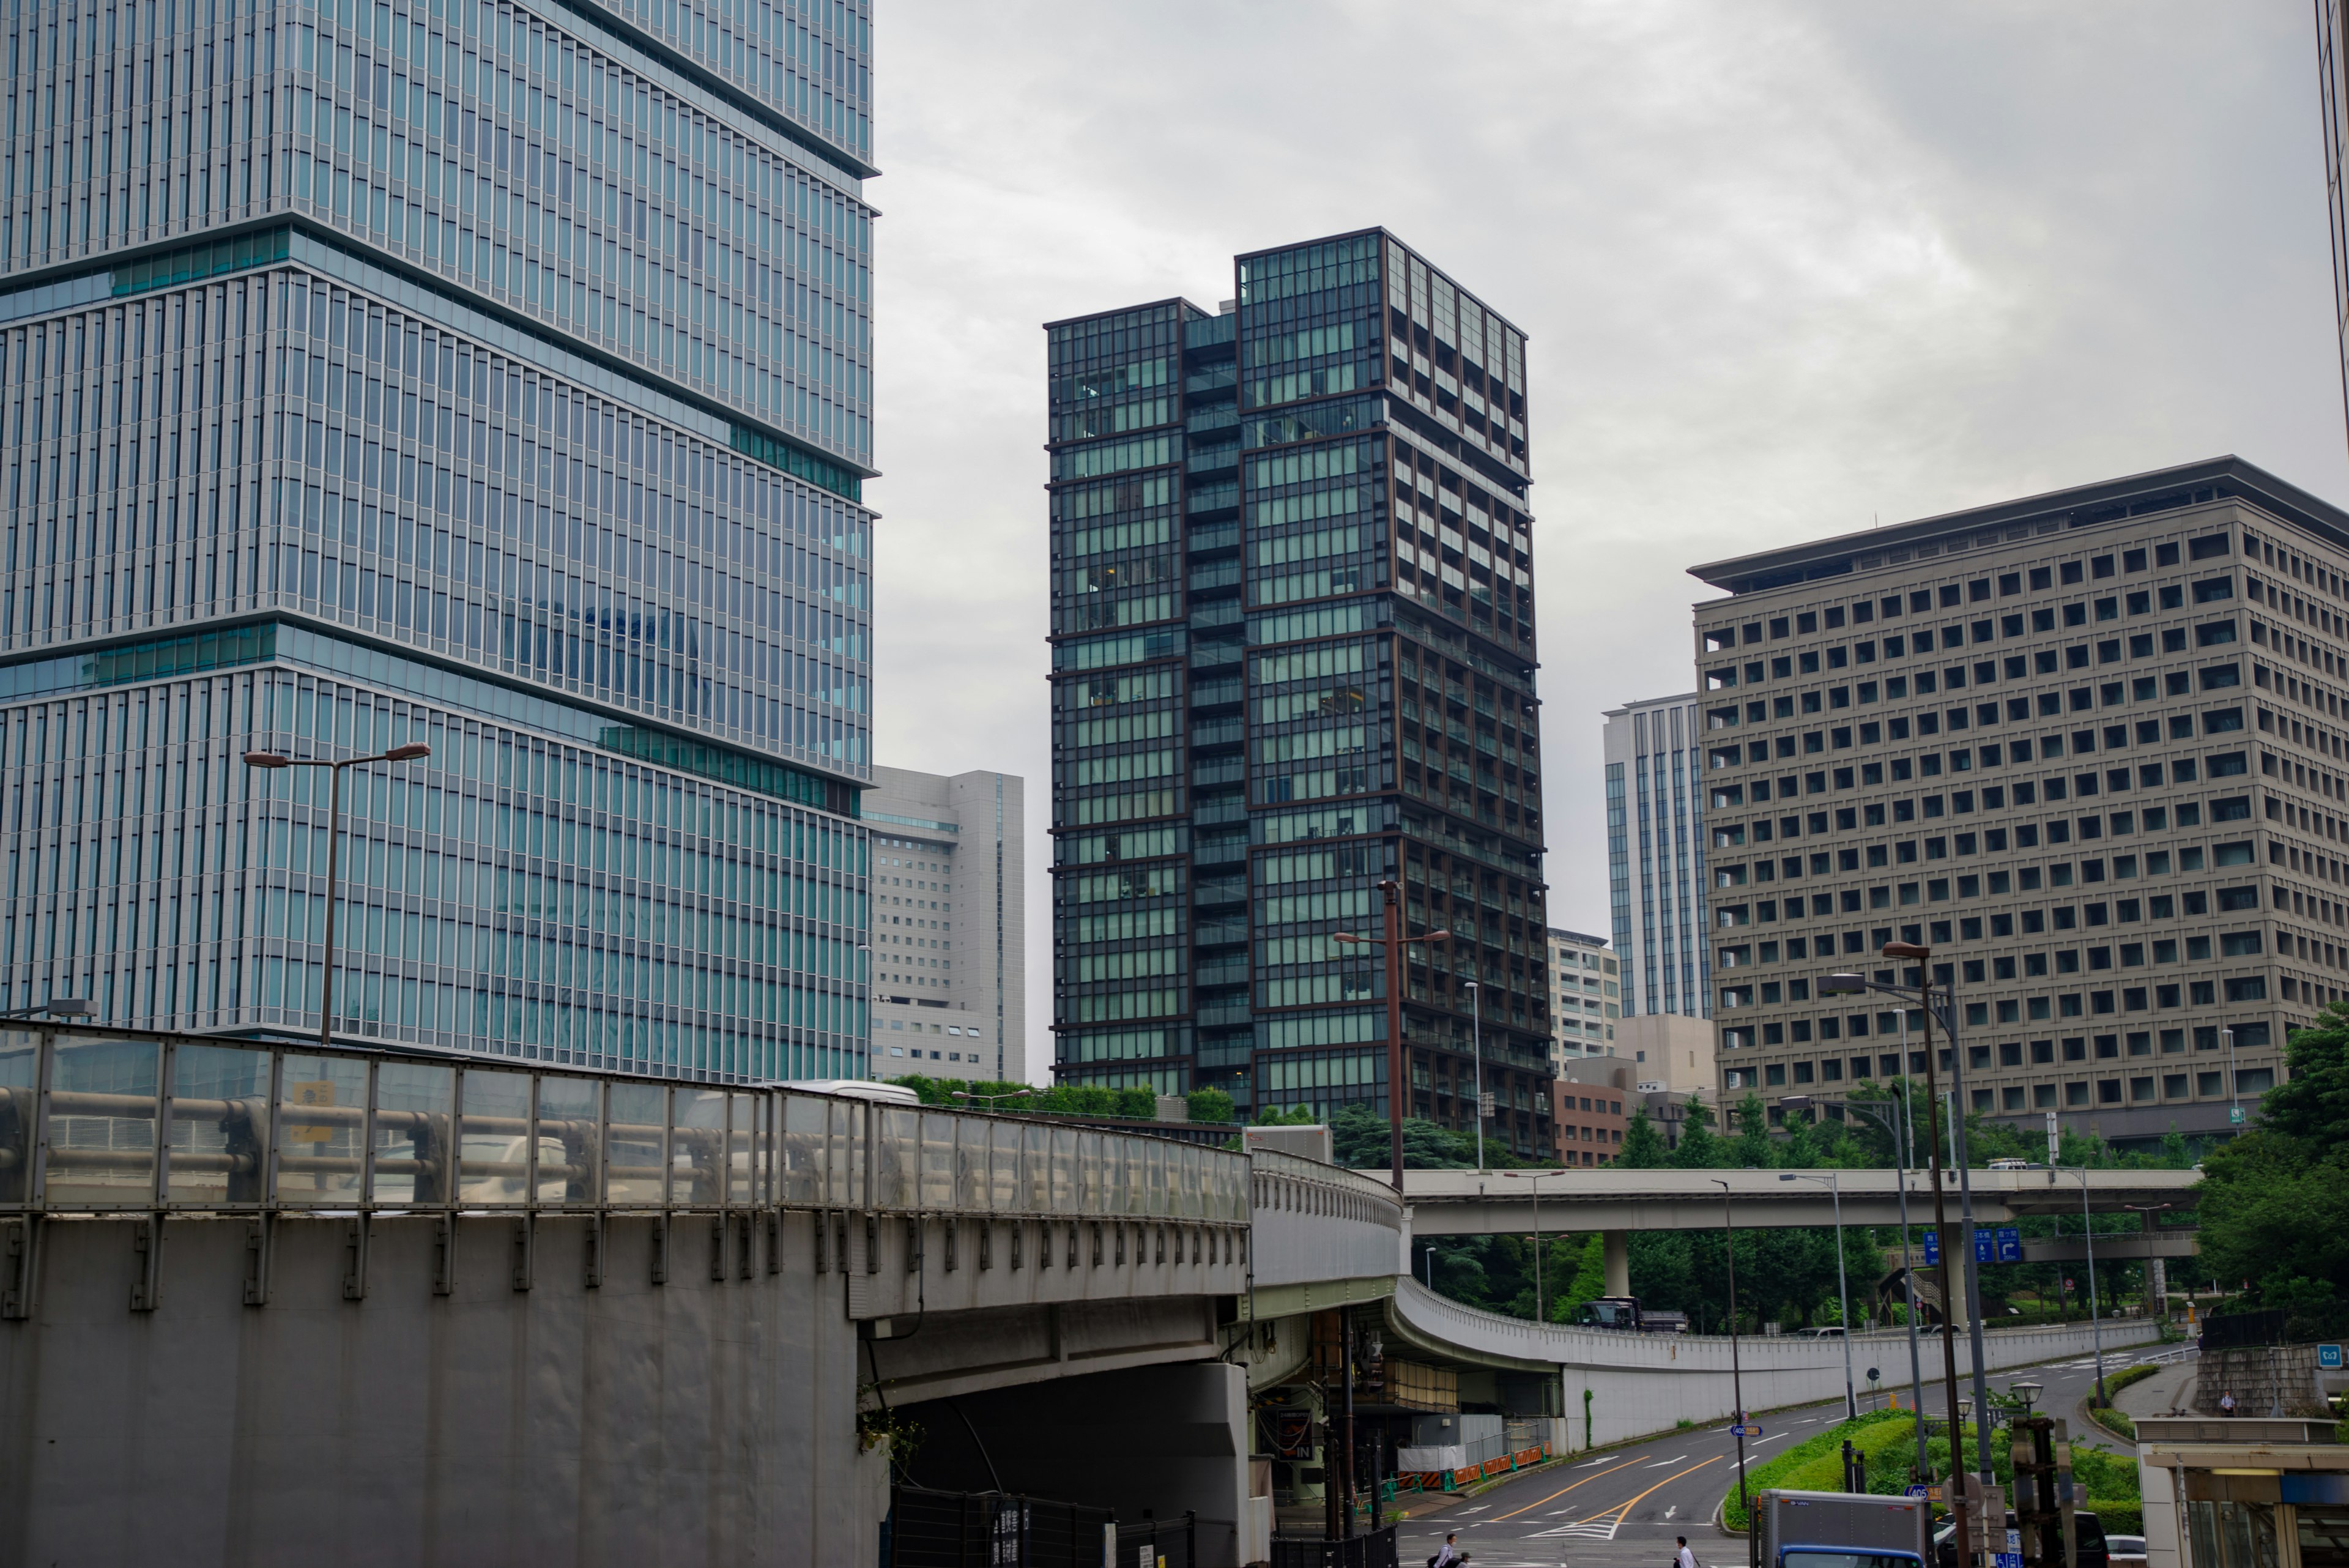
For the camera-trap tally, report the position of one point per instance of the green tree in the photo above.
(1751, 1147)
(1295, 1116)
(1211, 1106)
(1362, 1137)
(1589, 1284)
(1700, 1147)
(2275, 1205)
(1643, 1147)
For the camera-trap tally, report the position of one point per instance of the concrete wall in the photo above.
(1642, 1383)
(694, 1421)
(1161, 1438)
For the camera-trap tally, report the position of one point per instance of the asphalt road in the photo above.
(1625, 1506)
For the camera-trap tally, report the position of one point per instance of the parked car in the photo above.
(1833, 1331)
(2124, 1551)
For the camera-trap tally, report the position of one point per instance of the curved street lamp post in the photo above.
(273, 759)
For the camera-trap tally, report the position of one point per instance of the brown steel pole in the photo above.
(1910, 950)
(1393, 891)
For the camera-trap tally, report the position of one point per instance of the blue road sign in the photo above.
(1986, 1247)
(1917, 1488)
(1932, 1249)
(2010, 1244)
(1752, 1429)
(2328, 1357)
(2007, 1559)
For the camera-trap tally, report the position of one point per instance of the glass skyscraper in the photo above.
(1655, 856)
(489, 373)
(1293, 655)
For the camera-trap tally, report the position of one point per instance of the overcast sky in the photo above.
(1787, 269)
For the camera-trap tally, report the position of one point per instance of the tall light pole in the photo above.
(1736, 1374)
(2096, 1323)
(1393, 940)
(1476, 1034)
(1842, 1291)
(408, 753)
(991, 1100)
(1536, 1177)
(1899, 1132)
(2234, 1091)
(1846, 985)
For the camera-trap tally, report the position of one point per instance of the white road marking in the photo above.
(1479, 1508)
(1597, 1530)
(1671, 1511)
(1659, 1464)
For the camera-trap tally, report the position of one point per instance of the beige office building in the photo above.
(948, 964)
(1586, 995)
(2089, 746)
(1669, 1052)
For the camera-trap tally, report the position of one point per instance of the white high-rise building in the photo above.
(1655, 856)
(1585, 996)
(948, 949)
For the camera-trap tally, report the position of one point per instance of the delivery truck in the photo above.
(1842, 1530)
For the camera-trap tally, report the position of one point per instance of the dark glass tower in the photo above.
(1293, 655)
(482, 373)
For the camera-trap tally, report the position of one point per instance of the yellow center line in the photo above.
(1624, 1510)
(1561, 1491)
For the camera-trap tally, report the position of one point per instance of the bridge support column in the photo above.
(2156, 1270)
(1619, 1262)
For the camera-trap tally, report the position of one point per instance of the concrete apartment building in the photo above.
(1586, 995)
(949, 947)
(2088, 745)
(1595, 1096)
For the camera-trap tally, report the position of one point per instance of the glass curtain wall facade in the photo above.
(1655, 856)
(1293, 657)
(468, 373)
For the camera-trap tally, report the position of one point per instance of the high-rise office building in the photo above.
(2090, 746)
(1586, 994)
(481, 373)
(949, 956)
(1293, 657)
(1655, 856)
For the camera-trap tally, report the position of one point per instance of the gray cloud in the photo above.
(1787, 269)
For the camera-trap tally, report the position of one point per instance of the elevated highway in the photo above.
(281, 1303)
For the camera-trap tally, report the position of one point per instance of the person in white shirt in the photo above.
(1685, 1558)
(1450, 1555)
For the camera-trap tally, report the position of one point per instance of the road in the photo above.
(1624, 1507)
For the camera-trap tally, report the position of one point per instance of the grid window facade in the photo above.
(2096, 761)
(1292, 643)
(482, 378)
(1656, 856)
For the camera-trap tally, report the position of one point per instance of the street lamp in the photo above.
(992, 1100)
(1394, 941)
(2095, 1322)
(1536, 1177)
(1900, 1133)
(60, 1006)
(1842, 1291)
(408, 753)
(1849, 985)
(2028, 1392)
(1736, 1374)
(1476, 1034)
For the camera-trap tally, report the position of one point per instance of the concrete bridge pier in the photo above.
(1619, 1262)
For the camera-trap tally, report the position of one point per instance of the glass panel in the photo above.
(765, 1122)
(570, 1140)
(938, 1178)
(971, 1155)
(20, 1068)
(493, 1146)
(102, 1123)
(1003, 1166)
(851, 1156)
(1092, 1176)
(635, 1140)
(321, 1131)
(414, 1109)
(697, 1147)
(220, 1124)
(1035, 1168)
(803, 1150)
(741, 1175)
(1063, 1195)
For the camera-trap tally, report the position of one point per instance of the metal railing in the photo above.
(95, 1121)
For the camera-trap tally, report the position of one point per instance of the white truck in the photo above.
(1842, 1530)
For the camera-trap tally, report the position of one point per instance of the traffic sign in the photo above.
(2328, 1357)
(1917, 1489)
(1750, 1429)
(1933, 1248)
(2007, 1559)
(2235, 1114)
(1986, 1247)
(2010, 1244)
